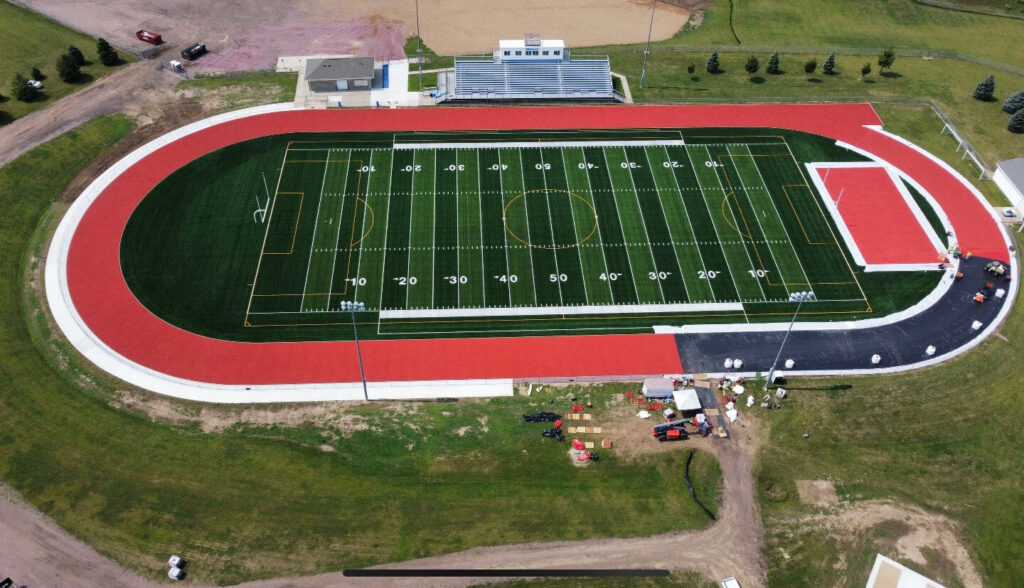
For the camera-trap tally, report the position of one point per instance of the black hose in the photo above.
(689, 485)
(734, 35)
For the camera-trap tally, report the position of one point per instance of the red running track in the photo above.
(106, 305)
(880, 221)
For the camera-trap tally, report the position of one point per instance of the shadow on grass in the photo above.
(814, 80)
(83, 78)
(892, 75)
(758, 80)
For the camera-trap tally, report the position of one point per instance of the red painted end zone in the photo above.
(106, 305)
(878, 218)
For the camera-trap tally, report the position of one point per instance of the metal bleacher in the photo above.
(578, 78)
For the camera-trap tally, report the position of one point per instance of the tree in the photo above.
(830, 65)
(21, 90)
(810, 66)
(773, 64)
(76, 54)
(68, 68)
(1016, 124)
(752, 65)
(712, 63)
(985, 88)
(690, 69)
(108, 56)
(37, 75)
(1014, 103)
(886, 59)
(865, 70)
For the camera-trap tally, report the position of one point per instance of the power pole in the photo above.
(647, 50)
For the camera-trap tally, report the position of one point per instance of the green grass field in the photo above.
(514, 233)
(29, 40)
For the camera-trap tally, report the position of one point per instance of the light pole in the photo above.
(419, 50)
(355, 307)
(799, 298)
(647, 49)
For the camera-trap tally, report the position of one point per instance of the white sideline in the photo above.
(560, 310)
(537, 143)
(94, 349)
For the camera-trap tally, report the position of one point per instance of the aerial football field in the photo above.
(498, 233)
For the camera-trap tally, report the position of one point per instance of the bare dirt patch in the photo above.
(817, 492)
(914, 534)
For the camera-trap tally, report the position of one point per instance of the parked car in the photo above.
(1009, 213)
(193, 51)
(149, 37)
(35, 84)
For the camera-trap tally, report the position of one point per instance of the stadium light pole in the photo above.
(647, 49)
(355, 307)
(799, 298)
(419, 51)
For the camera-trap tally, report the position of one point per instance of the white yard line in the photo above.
(807, 280)
(533, 144)
(522, 175)
(622, 231)
(735, 223)
(384, 260)
(504, 235)
(607, 273)
(668, 226)
(746, 193)
(480, 224)
(341, 214)
(551, 224)
(643, 223)
(316, 227)
(266, 232)
(704, 199)
(689, 221)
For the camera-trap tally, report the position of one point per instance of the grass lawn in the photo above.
(30, 40)
(403, 483)
(943, 438)
(241, 90)
(869, 24)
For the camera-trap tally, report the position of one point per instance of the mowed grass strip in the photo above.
(592, 255)
(373, 231)
(496, 270)
(472, 294)
(422, 237)
(520, 255)
(30, 40)
(448, 274)
(613, 239)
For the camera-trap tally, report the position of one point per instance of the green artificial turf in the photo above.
(726, 218)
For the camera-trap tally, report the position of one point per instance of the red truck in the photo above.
(149, 37)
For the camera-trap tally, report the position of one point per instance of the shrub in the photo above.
(68, 68)
(985, 89)
(76, 54)
(712, 64)
(865, 70)
(810, 66)
(21, 90)
(1014, 103)
(752, 65)
(1016, 124)
(830, 65)
(108, 56)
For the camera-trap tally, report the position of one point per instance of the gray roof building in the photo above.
(340, 73)
(1009, 177)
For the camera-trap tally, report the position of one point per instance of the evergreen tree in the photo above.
(886, 59)
(830, 65)
(68, 68)
(985, 89)
(773, 64)
(108, 56)
(865, 70)
(752, 65)
(1016, 124)
(1014, 103)
(76, 54)
(712, 63)
(810, 66)
(21, 90)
